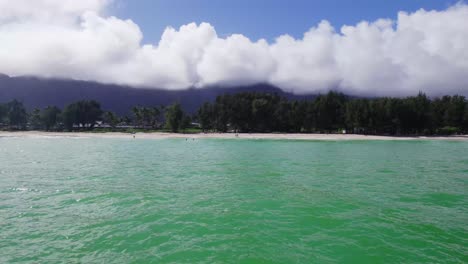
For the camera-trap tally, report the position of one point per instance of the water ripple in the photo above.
(231, 201)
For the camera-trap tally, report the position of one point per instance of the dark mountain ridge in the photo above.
(41, 92)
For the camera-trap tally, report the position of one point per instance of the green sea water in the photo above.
(75, 200)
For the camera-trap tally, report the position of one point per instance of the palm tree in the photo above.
(138, 115)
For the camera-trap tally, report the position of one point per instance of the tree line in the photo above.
(261, 112)
(335, 113)
(88, 114)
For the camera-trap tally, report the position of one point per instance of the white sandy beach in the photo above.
(160, 135)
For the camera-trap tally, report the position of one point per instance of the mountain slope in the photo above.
(37, 92)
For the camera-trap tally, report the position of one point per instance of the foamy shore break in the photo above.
(160, 135)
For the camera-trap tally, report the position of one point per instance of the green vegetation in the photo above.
(335, 112)
(111, 118)
(258, 112)
(147, 117)
(176, 119)
(14, 114)
(84, 113)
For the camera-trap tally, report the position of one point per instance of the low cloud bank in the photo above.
(421, 51)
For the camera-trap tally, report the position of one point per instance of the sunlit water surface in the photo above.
(66, 200)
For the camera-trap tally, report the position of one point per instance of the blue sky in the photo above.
(262, 18)
(95, 40)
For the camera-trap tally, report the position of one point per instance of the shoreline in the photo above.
(162, 135)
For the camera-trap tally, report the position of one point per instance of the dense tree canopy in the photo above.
(335, 112)
(50, 118)
(3, 112)
(111, 118)
(265, 112)
(35, 121)
(174, 117)
(147, 116)
(83, 114)
(16, 114)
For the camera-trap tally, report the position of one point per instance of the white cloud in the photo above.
(306, 64)
(421, 51)
(235, 60)
(48, 10)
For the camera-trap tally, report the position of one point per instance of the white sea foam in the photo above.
(20, 189)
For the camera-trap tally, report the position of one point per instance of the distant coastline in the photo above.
(277, 136)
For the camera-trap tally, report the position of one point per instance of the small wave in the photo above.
(20, 189)
(23, 189)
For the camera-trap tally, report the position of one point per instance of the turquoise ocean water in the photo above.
(70, 200)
